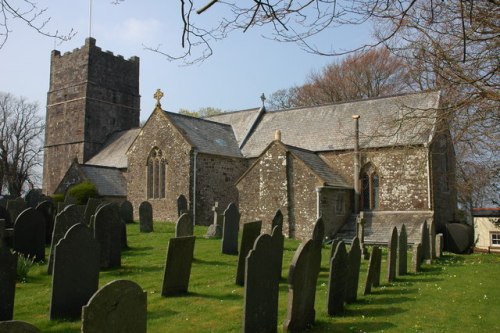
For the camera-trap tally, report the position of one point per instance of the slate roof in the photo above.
(109, 181)
(207, 136)
(114, 153)
(386, 121)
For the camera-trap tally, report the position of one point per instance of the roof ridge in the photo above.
(196, 118)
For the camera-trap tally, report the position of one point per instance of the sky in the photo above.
(243, 66)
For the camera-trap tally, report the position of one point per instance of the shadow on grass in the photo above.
(132, 270)
(372, 326)
(226, 297)
(211, 262)
(376, 312)
(137, 251)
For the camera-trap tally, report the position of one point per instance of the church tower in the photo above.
(92, 95)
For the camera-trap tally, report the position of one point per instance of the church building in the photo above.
(390, 158)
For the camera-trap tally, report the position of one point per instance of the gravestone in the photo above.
(145, 217)
(402, 251)
(184, 226)
(215, 229)
(416, 259)
(278, 240)
(2, 232)
(230, 228)
(8, 272)
(337, 281)
(260, 305)
(90, 209)
(182, 205)
(424, 231)
(302, 279)
(354, 263)
(33, 197)
(277, 221)
(360, 232)
(67, 218)
(251, 231)
(392, 255)
(4, 215)
(432, 240)
(178, 266)
(29, 234)
(14, 208)
(335, 242)
(373, 274)
(76, 272)
(108, 228)
(46, 208)
(120, 306)
(439, 245)
(127, 211)
(17, 326)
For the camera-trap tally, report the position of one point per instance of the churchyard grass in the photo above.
(457, 293)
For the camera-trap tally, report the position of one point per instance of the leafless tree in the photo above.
(21, 143)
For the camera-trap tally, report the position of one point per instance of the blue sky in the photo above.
(243, 66)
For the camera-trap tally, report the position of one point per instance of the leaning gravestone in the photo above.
(29, 234)
(182, 205)
(373, 270)
(402, 251)
(14, 208)
(279, 240)
(184, 226)
(230, 228)
(8, 272)
(424, 231)
(354, 263)
(17, 326)
(76, 273)
(127, 211)
(251, 231)
(302, 278)
(432, 240)
(120, 306)
(145, 217)
(337, 281)
(46, 208)
(107, 227)
(178, 266)
(416, 259)
(392, 255)
(260, 306)
(67, 218)
(91, 208)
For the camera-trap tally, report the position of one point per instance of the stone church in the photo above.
(391, 158)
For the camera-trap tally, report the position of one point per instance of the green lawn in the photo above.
(454, 294)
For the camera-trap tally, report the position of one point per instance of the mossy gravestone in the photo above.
(260, 307)
(392, 255)
(251, 231)
(373, 274)
(17, 326)
(29, 234)
(354, 263)
(230, 228)
(184, 226)
(337, 280)
(178, 266)
(402, 251)
(76, 272)
(145, 217)
(8, 265)
(118, 307)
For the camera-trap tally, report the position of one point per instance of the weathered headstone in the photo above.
(182, 205)
(278, 240)
(120, 306)
(17, 326)
(14, 208)
(107, 227)
(8, 272)
(416, 259)
(439, 245)
(90, 209)
(337, 280)
(392, 255)
(424, 231)
(29, 234)
(333, 248)
(76, 272)
(145, 217)
(373, 270)
(402, 251)
(354, 263)
(432, 240)
(251, 231)
(260, 306)
(302, 279)
(67, 218)
(215, 229)
(184, 226)
(230, 228)
(46, 208)
(277, 220)
(127, 211)
(178, 266)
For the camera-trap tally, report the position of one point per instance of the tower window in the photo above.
(156, 174)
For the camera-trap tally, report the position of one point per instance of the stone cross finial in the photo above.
(158, 96)
(263, 99)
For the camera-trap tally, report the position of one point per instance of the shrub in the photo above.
(82, 192)
(57, 197)
(24, 264)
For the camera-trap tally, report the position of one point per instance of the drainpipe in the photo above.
(356, 164)
(195, 155)
(318, 197)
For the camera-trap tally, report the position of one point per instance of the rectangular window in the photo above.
(495, 238)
